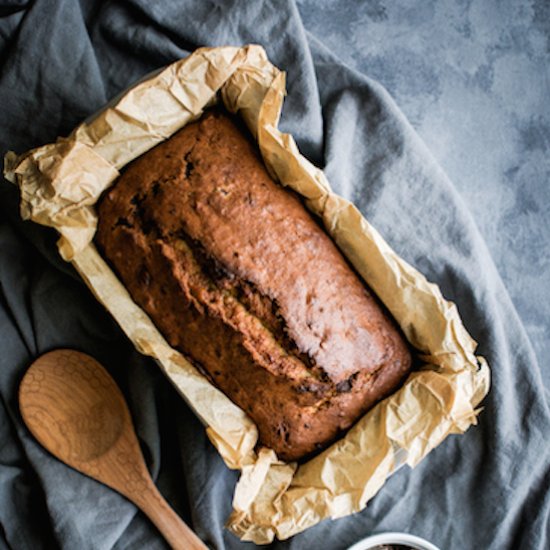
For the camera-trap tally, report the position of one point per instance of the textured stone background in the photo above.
(473, 78)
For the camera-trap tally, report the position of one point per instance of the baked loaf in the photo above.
(239, 277)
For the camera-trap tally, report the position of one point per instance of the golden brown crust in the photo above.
(238, 276)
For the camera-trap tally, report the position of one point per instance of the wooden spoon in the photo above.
(75, 409)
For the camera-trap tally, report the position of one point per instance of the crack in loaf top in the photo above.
(260, 233)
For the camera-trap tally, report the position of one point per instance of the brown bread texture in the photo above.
(238, 276)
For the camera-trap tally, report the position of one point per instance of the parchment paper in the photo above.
(60, 184)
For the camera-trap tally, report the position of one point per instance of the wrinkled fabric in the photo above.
(60, 61)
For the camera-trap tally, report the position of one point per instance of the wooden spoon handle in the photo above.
(178, 535)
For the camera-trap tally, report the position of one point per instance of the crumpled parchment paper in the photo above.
(60, 184)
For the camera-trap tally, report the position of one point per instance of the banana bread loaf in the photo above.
(238, 276)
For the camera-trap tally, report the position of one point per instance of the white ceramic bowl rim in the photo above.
(393, 538)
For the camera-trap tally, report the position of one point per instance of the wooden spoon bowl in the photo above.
(75, 410)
